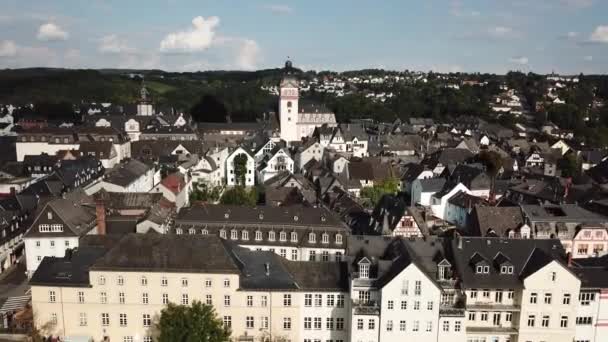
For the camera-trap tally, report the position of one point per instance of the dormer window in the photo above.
(364, 267)
(312, 238)
(226, 215)
(271, 236)
(191, 231)
(234, 234)
(178, 231)
(506, 269)
(49, 215)
(481, 269)
(443, 270)
(223, 234)
(294, 237)
(245, 235)
(283, 236)
(205, 232)
(339, 239)
(258, 236)
(325, 238)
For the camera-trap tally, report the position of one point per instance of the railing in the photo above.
(365, 307)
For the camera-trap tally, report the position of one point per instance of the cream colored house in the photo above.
(257, 294)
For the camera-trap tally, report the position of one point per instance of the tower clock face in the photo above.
(289, 92)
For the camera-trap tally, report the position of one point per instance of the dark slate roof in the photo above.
(526, 255)
(411, 172)
(464, 200)
(169, 253)
(128, 200)
(432, 184)
(126, 173)
(593, 272)
(312, 107)
(599, 173)
(472, 176)
(71, 270)
(318, 276)
(262, 270)
(498, 219)
(447, 156)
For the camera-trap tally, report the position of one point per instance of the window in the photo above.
(234, 234)
(294, 237)
(457, 326)
(533, 298)
(53, 318)
(364, 270)
(545, 321)
(223, 234)
(147, 320)
(165, 297)
(325, 256)
(52, 297)
(506, 269)
(485, 293)
(185, 300)
(510, 294)
(312, 237)
(390, 305)
(249, 322)
(473, 293)
(250, 301)
(227, 321)
(286, 323)
(144, 281)
(360, 324)
(264, 301)
(446, 325)
(566, 299)
(226, 282)
(121, 297)
(226, 300)
(508, 316)
(338, 256)
(101, 280)
(585, 298)
(339, 239)
(123, 320)
(164, 281)
(331, 300)
(416, 326)
(563, 322)
(208, 299)
(417, 288)
(404, 287)
(329, 323)
(282, 236)
(553, 276)
(484, 317)
(283, 253)
(83, 319)
(144, 298)
(340, 323)
(208, 283)
(340, 301)
(147, 339)
(258, 235)
(429, 326)
(531, 319)
(105, 319)
(548, 298)
(286, 300)
(317, 323)
(245, 235)
(389, 325)
(584, 320)
(80, 297)
(120, 281)
(429, 306)
(318, 300)
(184, 282)
(103, 297)
(402, 325)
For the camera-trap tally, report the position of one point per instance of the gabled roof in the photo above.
(126, 173)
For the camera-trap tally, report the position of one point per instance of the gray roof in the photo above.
(432, 184)
(498, 219)
(169, 253)
(561, 213)
(126, 173)
(525, 255)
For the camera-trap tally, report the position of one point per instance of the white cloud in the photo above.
(572, 35)
(578, 3)
(588, 58)
(51, 32)
(112, 44)
(519, 60)
(248, 55)
(600, 35)
(500, 31)
(279, 8)
(198, 38)
(8, 48)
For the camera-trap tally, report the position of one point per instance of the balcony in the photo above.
(453, 309)
(484, 306)
(496, 330)
(366, 307)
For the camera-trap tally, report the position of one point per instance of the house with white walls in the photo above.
(274, 163)
(232, 178)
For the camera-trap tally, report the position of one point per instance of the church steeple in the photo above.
(144, 107)
(143, 92)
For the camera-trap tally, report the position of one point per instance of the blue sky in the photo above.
(566, 36)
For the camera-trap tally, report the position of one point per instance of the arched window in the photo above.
(288, 104)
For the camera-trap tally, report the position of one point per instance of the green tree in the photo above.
(199, 322)
(240, 168)
(389, 186)
(569, 165)
(204, 192)
(239, 195)
(493, 162)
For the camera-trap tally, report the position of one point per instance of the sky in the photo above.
(543, 36)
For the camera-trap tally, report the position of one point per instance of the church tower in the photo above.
(144, 107)
(288, 105)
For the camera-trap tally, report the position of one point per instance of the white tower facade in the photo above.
(288, 105)
(144, 107)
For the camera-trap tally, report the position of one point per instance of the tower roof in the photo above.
(289, 79)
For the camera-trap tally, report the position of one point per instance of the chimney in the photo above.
(267, 268)
(459, 240)
(570, 259)
(100, 212)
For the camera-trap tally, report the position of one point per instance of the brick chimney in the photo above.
(100, 212)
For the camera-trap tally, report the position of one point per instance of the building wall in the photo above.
(288, 113)
(36, 248)
(421, 297)
(556, 280)
(249, 175)
(38, 148)
(588, 309)
(590, 242)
